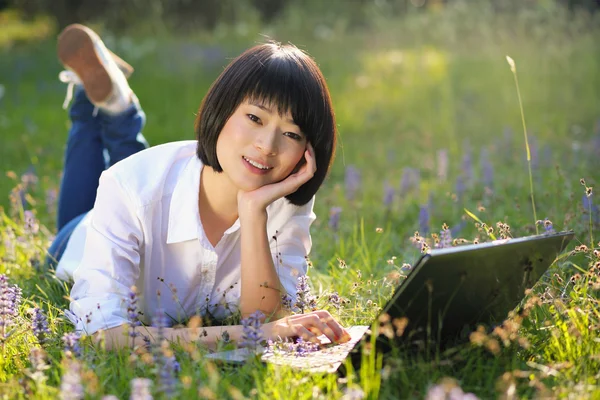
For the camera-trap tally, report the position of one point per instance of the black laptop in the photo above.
(447, 293)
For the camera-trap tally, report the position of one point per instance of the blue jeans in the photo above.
(94, 144)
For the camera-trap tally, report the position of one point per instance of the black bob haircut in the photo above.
(282, 76)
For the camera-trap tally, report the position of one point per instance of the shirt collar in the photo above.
(184, 216)
(184, 219)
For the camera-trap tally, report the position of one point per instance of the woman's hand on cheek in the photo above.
(258, 200)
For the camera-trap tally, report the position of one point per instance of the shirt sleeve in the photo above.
(110, 265)
(292, 246)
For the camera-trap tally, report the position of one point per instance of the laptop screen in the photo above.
(454, 289)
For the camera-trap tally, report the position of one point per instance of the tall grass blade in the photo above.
(513, 69)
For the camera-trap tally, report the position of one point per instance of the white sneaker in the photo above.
(92, 65)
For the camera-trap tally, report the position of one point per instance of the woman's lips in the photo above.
(253, 169)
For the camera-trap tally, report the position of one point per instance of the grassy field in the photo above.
(429, 124)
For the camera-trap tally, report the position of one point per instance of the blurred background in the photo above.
(426, 105)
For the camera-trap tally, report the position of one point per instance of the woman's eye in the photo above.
(293, 135)
(254, 118)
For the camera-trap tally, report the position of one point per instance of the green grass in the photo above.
(403, 89)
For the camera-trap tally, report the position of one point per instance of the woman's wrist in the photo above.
(251, 213)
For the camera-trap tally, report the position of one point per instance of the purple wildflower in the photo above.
(71, 342)
(455, 230)
(467, 167)
(548, 226)
(51, 200)
(168, 367)
(405, 181)
(140, 389)
(70, 386)
(37, 358)
(445, 238)
(487, 168)
(10, 299)
(442, 164)
(388, 195)
(30, 222)
(424, 220)
(335, 300)
(39, 325)
(547, 159)
(302, 347)
(160, 322)
(411, 179)
(590, 207)
(460, 186)
(252, 334)
(334, 218)
(286, 301)
(16, 297)
(352, 181)
(132, 314)
(29, 178)
(304, 299)
(17, 199)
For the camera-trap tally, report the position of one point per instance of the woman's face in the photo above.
(257, 146)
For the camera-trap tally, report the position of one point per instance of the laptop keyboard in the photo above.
(327, 359)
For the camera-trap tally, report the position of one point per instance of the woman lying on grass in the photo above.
(208, 227)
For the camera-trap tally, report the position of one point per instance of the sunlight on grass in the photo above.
(429, 157)
(16, 30)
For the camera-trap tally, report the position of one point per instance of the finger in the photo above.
(319, 327)
(341, 335)
(322, 322)
(311, 161)
(305, 334)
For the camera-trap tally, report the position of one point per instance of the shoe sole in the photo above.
(77, 52)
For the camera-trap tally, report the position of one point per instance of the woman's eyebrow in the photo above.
(269, 110)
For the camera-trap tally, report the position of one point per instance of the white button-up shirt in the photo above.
(145, 230)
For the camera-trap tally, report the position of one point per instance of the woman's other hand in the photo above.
(308, 326)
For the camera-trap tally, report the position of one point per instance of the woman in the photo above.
(209, 227)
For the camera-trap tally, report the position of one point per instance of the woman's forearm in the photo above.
(260, 286)
(119, 337)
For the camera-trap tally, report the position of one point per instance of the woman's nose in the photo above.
(267, 144)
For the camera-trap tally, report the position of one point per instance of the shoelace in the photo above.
(71, 78)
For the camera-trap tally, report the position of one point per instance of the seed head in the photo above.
(511, 63)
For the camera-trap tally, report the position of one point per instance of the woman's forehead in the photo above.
(271, 107)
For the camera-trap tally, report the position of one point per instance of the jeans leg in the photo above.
(59, 244)
(84, 161)
(122, 133)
